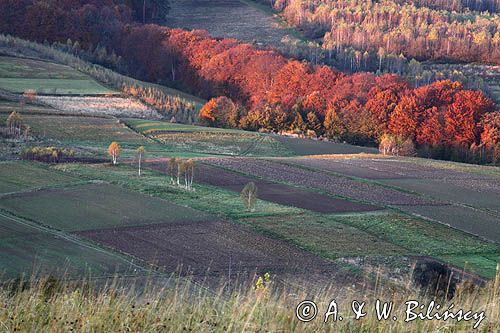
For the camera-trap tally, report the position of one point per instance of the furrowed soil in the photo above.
(216, 249)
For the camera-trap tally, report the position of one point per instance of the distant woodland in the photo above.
(459, 30)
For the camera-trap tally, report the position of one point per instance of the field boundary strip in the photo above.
(48, 187)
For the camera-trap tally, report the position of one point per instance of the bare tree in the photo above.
(179, 171)
(249, 196)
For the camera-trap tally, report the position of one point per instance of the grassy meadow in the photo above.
(52, 305)
(19, 75)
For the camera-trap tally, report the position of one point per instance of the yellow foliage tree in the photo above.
(114, 151)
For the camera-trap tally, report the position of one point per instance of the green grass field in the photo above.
(82, 129)
(96, 206)
(325, 235)
(18, 75)
(23, 176)
(208, 140)
(54, 86)
(29, 250)
(381, 234)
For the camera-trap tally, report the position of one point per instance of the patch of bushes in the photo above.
(48, 154)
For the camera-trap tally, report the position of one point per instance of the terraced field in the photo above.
(19, 75)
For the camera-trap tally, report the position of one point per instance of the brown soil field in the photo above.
(274, 192)
(390, 168)
(215, 249)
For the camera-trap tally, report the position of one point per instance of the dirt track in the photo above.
(216, 249)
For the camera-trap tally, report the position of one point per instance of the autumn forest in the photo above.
(258, 88)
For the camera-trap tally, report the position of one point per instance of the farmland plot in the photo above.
(13, 67)
(22, 176)
(208, 140)
(480, 191)
(27, 250)
(340, 186)
(280, 193)
(102, 106)
(312, 147)
(215, 249)
(6, 107)
(18, 75)
(471, 199)
(76, 129)
(95, 206)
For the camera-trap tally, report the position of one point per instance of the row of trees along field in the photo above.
(270, 91)
(421, 29)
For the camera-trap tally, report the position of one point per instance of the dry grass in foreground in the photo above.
(52, 306)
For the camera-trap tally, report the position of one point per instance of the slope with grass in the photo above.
(31, 250)
(19, 75)
(242, 20)
(208, 140)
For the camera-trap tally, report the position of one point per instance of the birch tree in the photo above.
(114, 151)
(141, 151)
(249, 196)
(171, 165)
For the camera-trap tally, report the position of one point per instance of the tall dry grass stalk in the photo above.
(50, 305)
